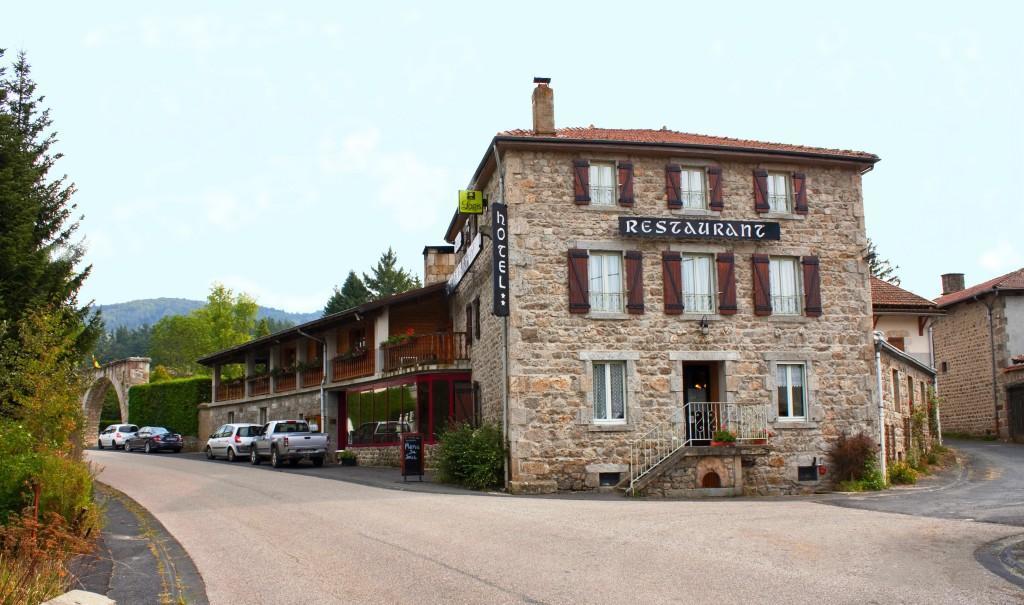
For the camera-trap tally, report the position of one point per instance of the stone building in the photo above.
(979, 353)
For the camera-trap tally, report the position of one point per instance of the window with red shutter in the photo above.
(625, 184)
(671, 273)
(634, 282)
(469, 324)
(799, 193)
(579, 292)
(581, 181)
(476, 318)
(812, 286)
(762, 285)
(673, 185)
(715, 188)
(726, 283)
(761, 191)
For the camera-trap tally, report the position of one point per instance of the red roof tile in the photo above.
(1013, 280)
(886, 295)
(671, 137)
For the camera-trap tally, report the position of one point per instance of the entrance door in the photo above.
(700, 393)
(1016, 400)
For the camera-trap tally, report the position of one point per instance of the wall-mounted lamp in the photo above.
(703, 325)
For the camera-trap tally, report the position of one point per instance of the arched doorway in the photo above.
(117, 376)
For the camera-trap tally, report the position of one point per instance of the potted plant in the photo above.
(764, 440)
(348, 458)
(723, 437)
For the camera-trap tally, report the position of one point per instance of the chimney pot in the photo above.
(952, 282)
(543, 107)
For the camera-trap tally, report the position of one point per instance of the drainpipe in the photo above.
(504, 328)
(935, 387)
(323, 380)
(989, 304)
(881, 404)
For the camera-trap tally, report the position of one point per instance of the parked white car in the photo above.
(231, 441)
(115, 435)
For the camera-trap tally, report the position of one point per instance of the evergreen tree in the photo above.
(39, 256)
(387, 279)
(880, 267)
(352, 294)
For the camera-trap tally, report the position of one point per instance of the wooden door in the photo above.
(1016, 409)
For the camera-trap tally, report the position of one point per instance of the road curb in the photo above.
(1004, 557)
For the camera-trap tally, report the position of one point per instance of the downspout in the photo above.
(881, 405)
(504, 325)
(992, 348)
(323, 380)
(935, 386)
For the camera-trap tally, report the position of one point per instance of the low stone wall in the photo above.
(388, 455)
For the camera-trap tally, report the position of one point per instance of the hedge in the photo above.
(171, 403)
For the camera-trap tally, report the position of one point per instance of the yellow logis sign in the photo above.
(471, 202)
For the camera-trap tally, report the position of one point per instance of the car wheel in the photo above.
(318, 461)
(275, 460)
(177, 450)
(209, 453)
(149, 450)
(231, 454)
(125, 446)
(254, 458)
(99, 443)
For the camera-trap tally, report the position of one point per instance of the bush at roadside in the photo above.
(473, 457)
(170, 403)
(901, 473)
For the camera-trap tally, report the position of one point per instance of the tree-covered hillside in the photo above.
(136, 313)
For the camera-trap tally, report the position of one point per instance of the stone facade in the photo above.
(551, 350)
(906, 388)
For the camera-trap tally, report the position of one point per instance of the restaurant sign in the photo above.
(696, 228)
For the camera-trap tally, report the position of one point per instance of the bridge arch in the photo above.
(120, 376)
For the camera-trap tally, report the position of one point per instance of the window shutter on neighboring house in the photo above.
(579, 295)
(625, 183)
(799, 193)
(672, 276)
(812, 286)
(673, 184)
(726, 283)
(476, 318)
(715, 188)
(762, 286)
(469, 324)
(761, 191)
(581, 181)
(634, 282)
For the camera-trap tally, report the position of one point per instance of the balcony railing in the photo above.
(234, 389)
(284, 382)
(354, 364)
(312, 376)
(439, 348)
(259, 385)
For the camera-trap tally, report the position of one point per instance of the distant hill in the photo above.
(135, 313)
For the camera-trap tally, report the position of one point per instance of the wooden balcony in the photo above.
(284, 382)
(259, 385)
(228, 390)
(353, 365)
(439, 348)
(312, 377)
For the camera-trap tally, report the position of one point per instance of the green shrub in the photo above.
(933, 457)
(901, 473)
(18, 464)
(473, 457)
(849, 455)
(170, 403)
(872, 477)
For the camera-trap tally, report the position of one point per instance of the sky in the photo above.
(274, 148)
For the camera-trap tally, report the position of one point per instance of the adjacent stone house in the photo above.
(979, 353)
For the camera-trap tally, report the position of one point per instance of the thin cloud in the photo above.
(1001, 257)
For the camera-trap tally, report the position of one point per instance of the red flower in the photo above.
(410, 332)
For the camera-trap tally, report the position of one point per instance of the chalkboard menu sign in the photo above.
(412, 455)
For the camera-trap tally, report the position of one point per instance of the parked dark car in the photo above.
(154, 439)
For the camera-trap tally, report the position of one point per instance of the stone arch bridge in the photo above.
(119, 375)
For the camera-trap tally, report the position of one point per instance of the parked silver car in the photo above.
(116, 435)
(231, 440)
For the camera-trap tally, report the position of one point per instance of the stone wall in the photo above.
(899, 415)
(292, 405)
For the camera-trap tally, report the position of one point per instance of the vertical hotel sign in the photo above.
(499, 258)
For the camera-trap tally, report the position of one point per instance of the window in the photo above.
(379, 416)
(602, 184)
(910, 392)
(263, 415)
(231, 417)
(896, 390)
(606, 281)
(898, 341)
(698, 284)
(469, 324)
(784, 278)
(476, 318)
(789, 380)
(691, 182)
(924, 394)
(609, 391)
(779, 199)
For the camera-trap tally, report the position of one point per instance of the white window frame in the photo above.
(789, 365)
(693, 199)
(688, 297)
(606, 366)
(780, 202)
(603, 195)
(785, 304)
(607, 299)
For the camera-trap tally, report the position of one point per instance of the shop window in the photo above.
(609, 391)
(784, 285)
(605, 271)
(698, 283)
(441, 404)
(380, 416)
(790, 384)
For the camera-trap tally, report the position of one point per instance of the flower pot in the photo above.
(758, 442)
(349, 461)
(722, 443)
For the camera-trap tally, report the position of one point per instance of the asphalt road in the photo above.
(289, 538)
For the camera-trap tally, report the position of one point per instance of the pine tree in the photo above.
(880, 267)
(387, 279)
(39, 257)
(352, 294)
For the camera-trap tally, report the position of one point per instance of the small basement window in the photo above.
(609, 479)
(807, 473)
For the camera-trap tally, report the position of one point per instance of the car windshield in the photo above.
(291, 426)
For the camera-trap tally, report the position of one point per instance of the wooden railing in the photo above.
(352, 366)
(313, 376)
(439, 348)
(234, 389)
(260, 385)
(284, 382)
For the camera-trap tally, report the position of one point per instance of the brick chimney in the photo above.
(438, 264)
(952, 282)
(543, 107)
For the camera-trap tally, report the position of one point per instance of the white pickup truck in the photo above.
(288, 440)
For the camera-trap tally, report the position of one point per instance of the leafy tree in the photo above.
(122, 343)
(39, 256)
(880, 267)
(231, 319)
(387, 279)
(352, 294)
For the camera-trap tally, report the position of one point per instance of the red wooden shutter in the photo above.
(762, 286)
(625, 183)
(761, 191)
(579, 293)
(799, 193)
(634, 282)
(726, 283)
(581, 181)
(672, 277)
(673, 185)
(469, 324)
(715, 188)
(812, 286)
